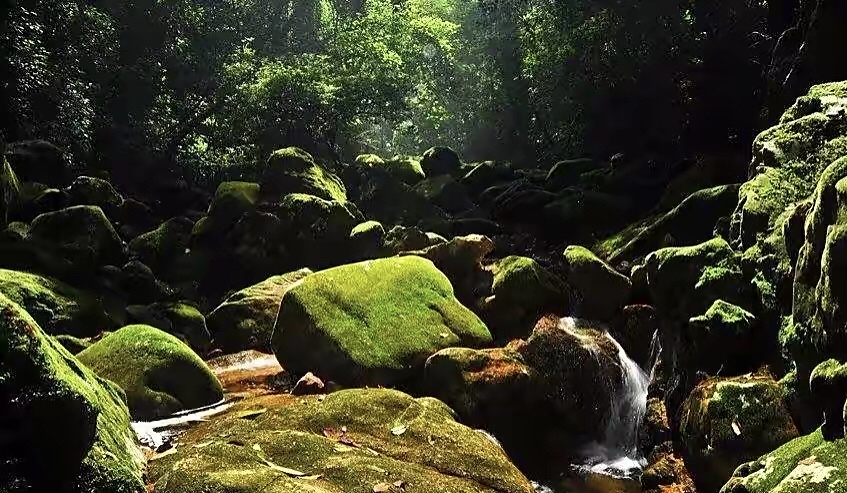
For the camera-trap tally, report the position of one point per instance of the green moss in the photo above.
(521, 291)
(601, 290)
(245, 320)
(232, 200)
(372, 322)
(293, 170)
(158, 372)
(56, 306)
(434, 452)
(177, 318)
(87, 190)
(69, 429)
(317, 231)
(164, 246)
(77, 238)
(726, 422)
(808, 464)
(405, 168)
(368, 228)
(74, 345)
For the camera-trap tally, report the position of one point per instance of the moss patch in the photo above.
(159, 373)
(293, 170)
(57, 307)
(372, 322)
(601, 291)
(433, 453)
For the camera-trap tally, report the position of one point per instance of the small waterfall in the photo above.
(617, 454)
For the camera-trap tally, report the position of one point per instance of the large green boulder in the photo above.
(360, 440)
(62, 427)
(57, 307)
(809, 464)
(293, 170)
(726, 422)
(367, 240)
(372, 323)
(405, 168)
(828, 385)
(232, 200)
(245, 320)
(76, 239)
(521, 291)
(600, 290)
(160, 374)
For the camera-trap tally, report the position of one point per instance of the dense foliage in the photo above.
(217, 84)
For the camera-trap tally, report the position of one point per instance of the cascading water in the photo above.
(617, 453)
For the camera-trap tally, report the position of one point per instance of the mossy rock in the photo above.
(316, 231)
(389, 200)
(521, 291)
(56, 306)
(40, 161)
(808, 464)
(74, 345)
(180, 319)
(427, 451)
(232, 200)
(720, 340)
(566, 173)
(87, 190)
(601, 291)
(160, 374)
(368, 239)
(408, 239)
(689, 223)
(373, 322)
(828, 385)
(69, 429)
(484, 175)
(293, 170)
(405, 168)
(726, 422)
(440, 161)
(77, 239)
(245, 320)
(164, 248)
(445, 192)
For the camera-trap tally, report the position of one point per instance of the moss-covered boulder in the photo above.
(408, 239)
(689, 223)
(600, 291)
(87, 190)
(232, 200)
(405, 168)
(445, 192)
(388, 199)
(74, 345)
(351, 441)
(40, 161)
(316, 231)
(809, 464)
(521, 291)
(720, 339)
(164, 248)
(544, 398)
(63, 428)
(77, 239)
(828, 385)
(726, 422)
(373, 322)
(440, 161)
(368, 240)
(159, 373)
(293, 170)
(460, 259)
(180, 319)
(57, 307)
(245, 320)
(487, 174)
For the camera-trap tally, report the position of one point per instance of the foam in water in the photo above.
(617, 453)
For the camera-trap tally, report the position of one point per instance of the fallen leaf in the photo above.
(736, 428)
(343, 429)
(399, 430)
(250, 413)
(381, 487)
(372, 451)
(286, 470)
(401, 484)
(329, 433)
(257, 447)
(346, 440)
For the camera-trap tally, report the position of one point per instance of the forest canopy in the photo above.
(213, 84)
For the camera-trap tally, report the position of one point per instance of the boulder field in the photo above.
(423, 324)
